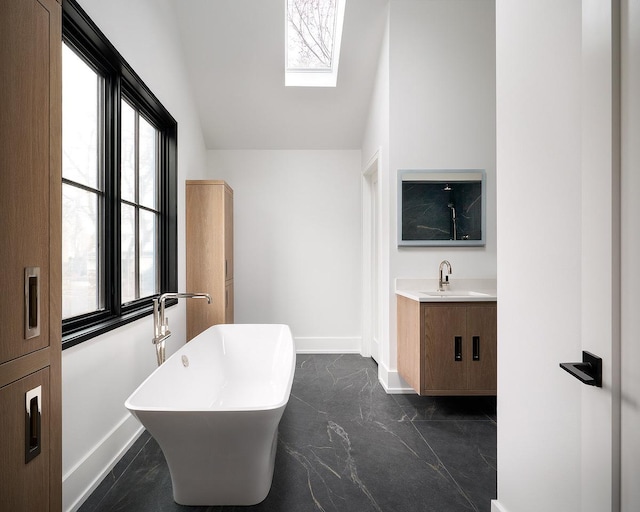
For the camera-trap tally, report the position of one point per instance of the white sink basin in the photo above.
(456, 294)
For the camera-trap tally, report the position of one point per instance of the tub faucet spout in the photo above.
(161, 324)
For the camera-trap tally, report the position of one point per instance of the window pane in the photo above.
(81, 92)
(128, 253)
(148, 254)
(128, 152)
(148, 157)
(109, 151)
(81, 265)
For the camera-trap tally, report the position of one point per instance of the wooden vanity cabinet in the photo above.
(209, 241)
(448, 348)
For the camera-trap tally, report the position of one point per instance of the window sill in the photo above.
(79, 335)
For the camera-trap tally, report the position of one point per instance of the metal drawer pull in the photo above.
(33, 424)
(457, 356)
(31, 302)
(476, 348)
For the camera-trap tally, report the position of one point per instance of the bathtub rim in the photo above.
(268, 407)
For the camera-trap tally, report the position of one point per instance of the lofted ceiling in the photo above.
(234, 53)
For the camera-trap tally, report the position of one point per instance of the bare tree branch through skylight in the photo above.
(311, 26)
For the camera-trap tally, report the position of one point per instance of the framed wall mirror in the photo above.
(441, 207)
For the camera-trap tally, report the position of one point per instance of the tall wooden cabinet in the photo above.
(448, 348)
(30, 255)
(209, 240)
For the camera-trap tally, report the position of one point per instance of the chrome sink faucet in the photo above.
(161, 324)
(443, 284)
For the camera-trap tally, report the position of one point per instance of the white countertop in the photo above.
(460, 290)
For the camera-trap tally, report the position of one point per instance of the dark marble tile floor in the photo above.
(345, 445)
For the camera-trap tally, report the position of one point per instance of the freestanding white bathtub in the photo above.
(214, 408)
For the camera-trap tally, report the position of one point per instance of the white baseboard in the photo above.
(80, 481)
(392, 382)
(335, 345)
(496, 507)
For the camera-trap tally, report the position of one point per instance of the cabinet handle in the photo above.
(476, 348)
(31, 302)
(457, 355)
(33, 424)
(226, 298)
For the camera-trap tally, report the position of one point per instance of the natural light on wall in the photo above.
(313, 36)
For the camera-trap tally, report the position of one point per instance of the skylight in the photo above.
(313, 36)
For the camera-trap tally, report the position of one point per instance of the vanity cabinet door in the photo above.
(482, 340)
(445, 362)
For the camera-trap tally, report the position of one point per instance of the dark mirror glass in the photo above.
(441, 207)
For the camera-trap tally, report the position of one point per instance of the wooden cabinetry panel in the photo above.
(30, 231)
(209, 240)
(410, 346)
(482, 323)
(228, 310)
(442, 325)
(25, 130)
(228, 233)
(24, 485)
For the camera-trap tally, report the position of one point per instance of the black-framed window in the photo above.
(119, 186)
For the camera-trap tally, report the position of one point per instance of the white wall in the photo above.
(376, 134)
(538, 47)
(297, 242)
(98, 375)
(630, 256)
(442, 114)
(438, 73)
(375, 147)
